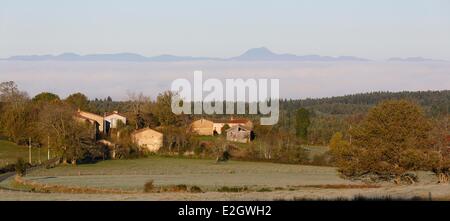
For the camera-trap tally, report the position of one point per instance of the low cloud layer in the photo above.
(297, 79)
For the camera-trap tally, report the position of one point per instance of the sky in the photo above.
(377, 29)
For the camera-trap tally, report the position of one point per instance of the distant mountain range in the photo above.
(416, 59)
(254, 54)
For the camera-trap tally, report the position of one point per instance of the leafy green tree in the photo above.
(78, 100)
(20, 167)
(163, 109)
(45, 97)
(223, 130)
(391, 140)
(302, 121)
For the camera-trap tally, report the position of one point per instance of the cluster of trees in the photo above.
(395, 137)
(278, 145)
(328, 115)
(45, 120)
(48, 121)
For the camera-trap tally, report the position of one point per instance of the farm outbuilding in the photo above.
(91, 118)
(202, 127)
(111, 120)
(240, 133)
(148, 138)
(214, 127)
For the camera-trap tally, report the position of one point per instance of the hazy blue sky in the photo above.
(375, 29)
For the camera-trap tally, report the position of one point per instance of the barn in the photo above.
(203, 127)
(240, 133)
(148, 138)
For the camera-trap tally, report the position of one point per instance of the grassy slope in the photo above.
(9, 152)
(132, 174)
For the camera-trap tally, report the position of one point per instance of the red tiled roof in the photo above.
(233, 121)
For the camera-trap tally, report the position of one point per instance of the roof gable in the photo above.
(146, 130)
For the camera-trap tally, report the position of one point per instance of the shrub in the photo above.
(264, 189)
(21, 167)
(180, 188)
(225, 156)
(148, 186)
(295, 154)
(232, 189)
(195, 189)
(198, 149)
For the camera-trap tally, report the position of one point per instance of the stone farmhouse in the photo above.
(145, 138)
(148, 138)
(214, 127)
(111, 120)
(103, 125)
(240, 133)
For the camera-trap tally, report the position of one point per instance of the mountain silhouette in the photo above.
(264, 54)
(254, 54)
(415, 59)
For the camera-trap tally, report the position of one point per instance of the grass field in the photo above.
(207, 174)
(9, 152)
(256, 180)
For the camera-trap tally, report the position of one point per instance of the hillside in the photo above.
(434, 102)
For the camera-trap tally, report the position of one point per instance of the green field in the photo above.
(207, 174)
(9, 152)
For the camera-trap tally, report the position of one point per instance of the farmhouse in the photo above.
(111, 120)
(240, 133)
(102, 124)
(202, 127)
(148, 138)
(92, 118)
(213, 127)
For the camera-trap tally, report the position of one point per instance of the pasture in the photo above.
(9, 152)
(204, 173)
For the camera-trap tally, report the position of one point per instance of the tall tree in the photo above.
(163, 109)
(45, 97)
(393, 139)
(14, 120)
(78, 100)
(141, 110)
(72, 138)
(302, 121)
